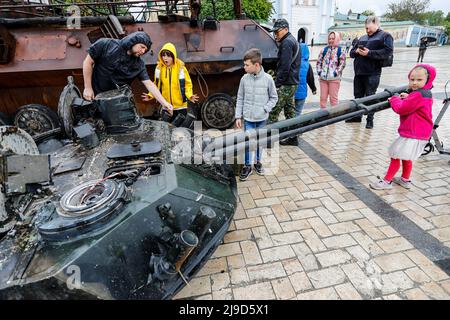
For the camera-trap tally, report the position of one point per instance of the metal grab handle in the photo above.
(227, 47)
(250, 25)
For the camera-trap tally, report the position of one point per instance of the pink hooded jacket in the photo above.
(329, 66)
(416, 119)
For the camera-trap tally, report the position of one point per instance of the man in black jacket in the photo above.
(111, 63)
(286, 80)
(369, 51)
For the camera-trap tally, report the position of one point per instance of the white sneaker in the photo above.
(381, 185)
(407, 184)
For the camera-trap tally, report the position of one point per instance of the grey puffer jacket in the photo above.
(257, 95)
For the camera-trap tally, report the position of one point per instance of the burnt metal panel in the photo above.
(70, 165)
(7, 46)
(38, 47)
(26, 169)
(134, 149)
(195, 41)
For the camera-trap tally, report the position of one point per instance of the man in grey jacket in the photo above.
(257, 95)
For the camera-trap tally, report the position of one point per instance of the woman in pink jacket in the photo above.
(416, 125)
(329, 66)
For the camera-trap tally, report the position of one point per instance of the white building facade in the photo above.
(308, 19)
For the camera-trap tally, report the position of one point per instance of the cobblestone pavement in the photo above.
(316, 231)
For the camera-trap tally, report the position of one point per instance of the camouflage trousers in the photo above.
(286, 102)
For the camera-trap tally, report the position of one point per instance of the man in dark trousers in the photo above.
(369, 53)
(286, 80)
(111, 63)
(422, 48)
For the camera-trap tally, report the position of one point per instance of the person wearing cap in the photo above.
(111, 63)
(287, 71)
(369, 52)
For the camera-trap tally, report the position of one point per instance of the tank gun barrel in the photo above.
(360, 105)
(236, 143)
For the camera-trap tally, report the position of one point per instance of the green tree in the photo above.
(259, 10)
(434, 18)
(408, 10)
(447, 24)
(368, 13)
(224, 9)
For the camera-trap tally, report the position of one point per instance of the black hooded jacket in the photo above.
(287, 66)
(112, 64)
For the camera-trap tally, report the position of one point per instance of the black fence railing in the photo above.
(140, 10)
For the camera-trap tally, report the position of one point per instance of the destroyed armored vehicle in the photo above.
(105, 209)
(107, 213)
(43, 43)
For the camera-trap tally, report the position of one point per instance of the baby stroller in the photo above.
(438, 145)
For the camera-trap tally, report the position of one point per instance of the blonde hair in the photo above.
(373, 19)
(420, 68)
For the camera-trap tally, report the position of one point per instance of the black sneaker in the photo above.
(259, 168)
(245, 172)
(369, 124)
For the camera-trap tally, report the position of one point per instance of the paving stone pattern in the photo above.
(301, 234)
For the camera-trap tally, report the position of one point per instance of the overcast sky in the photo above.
(380, 6)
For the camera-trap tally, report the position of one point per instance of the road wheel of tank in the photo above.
(218, 111)
(36, 119)
(4, 119)
(69, 93)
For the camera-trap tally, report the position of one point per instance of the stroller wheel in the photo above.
(428, 148)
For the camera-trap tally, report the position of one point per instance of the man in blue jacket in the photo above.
(369, 52)
(306, 77)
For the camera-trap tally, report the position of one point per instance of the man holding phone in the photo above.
(369, 52)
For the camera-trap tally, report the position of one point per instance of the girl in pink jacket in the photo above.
(416, 125)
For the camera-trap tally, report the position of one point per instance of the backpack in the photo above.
(325, 50)
(390, 59)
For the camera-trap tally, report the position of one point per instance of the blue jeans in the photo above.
(248, 125)
(299, 104)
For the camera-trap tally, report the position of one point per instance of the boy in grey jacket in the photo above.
(257, 95)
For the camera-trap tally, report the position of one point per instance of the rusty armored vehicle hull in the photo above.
(37, 55)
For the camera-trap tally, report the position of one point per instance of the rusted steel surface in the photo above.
(44, 58)
(30, 47)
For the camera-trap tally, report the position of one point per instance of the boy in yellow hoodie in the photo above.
(173, 80)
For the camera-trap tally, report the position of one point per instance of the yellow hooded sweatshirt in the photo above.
(174, 82)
